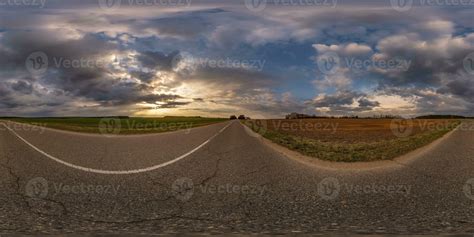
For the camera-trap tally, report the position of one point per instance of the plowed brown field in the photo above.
(350, 140)
(355, 130)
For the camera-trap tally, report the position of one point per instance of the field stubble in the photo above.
(120, 126)
(350, 140)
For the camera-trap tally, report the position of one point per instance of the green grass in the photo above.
(354, 152)
(124, 126)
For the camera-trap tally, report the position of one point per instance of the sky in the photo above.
(261, 58)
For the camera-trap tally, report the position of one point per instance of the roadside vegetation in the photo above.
(120, 125)
(352, 140)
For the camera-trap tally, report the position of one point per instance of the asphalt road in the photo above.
(222, 179)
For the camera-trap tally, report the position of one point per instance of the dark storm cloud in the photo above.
(151, 40)
(198, 99)
(340, 98)
(18, 45)
(7, 100)
(143, 76)
(429, 59)
(4, 93)
(342, 101)
(245, 78)
(96, 83)
(460, 85)
(365, 103)
(159, 60)
(22, 87)
(181, 25)
(172, 104)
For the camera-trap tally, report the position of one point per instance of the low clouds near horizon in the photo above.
(216, 58)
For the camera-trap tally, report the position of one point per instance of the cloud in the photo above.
(339, 80)
(100, 84)
(145, 64)
(351, 49)
(22, 87)
(461, 85)
(436, 28)
(437, 64)
(365, 103)
(343, 102)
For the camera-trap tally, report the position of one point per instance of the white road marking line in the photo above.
(112, 172)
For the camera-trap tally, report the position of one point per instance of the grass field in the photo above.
(122, 126)
(351, 140)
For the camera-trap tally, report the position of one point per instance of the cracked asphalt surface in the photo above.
(233, 184)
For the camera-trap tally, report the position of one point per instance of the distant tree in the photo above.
(242, 117)
(440, 116)
(233, 117)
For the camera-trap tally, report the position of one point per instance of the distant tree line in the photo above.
(434, 116)
(241, 117)
(306, 116)
(380, 116)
